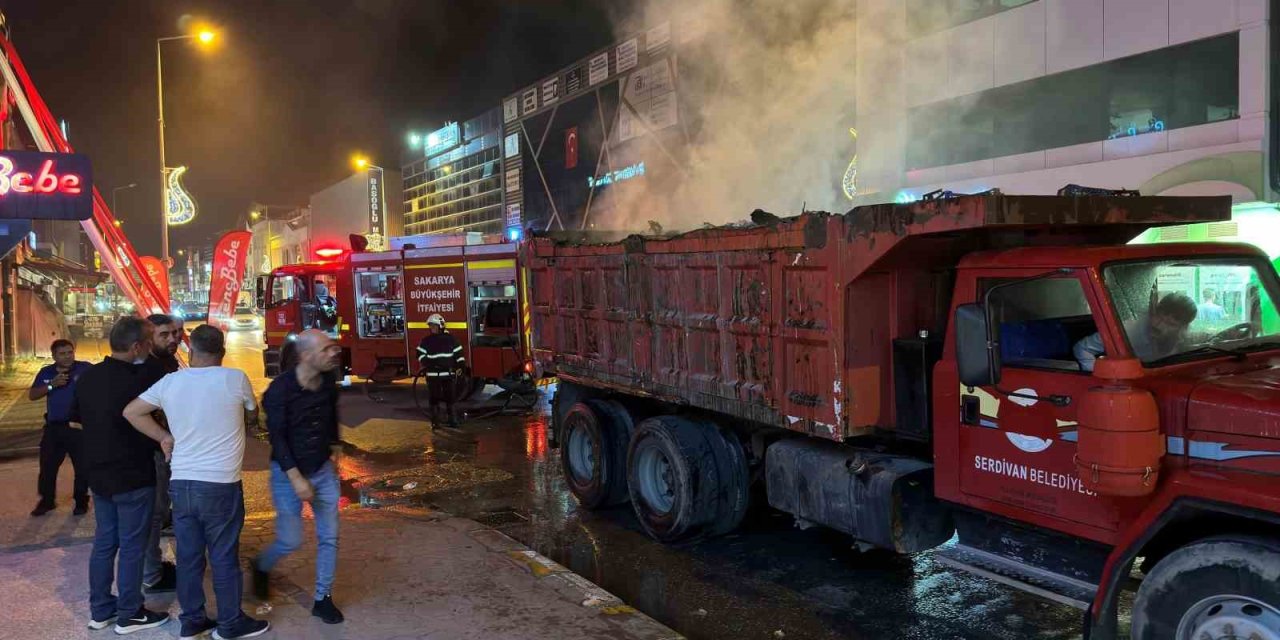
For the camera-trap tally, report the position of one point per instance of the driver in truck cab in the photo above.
(441, 357)
(1159, 334)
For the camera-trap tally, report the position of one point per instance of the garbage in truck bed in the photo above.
(946, 210)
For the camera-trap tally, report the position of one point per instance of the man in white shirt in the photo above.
(207, 406)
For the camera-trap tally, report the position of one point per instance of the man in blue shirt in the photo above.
(1210, 311)
(56, 383)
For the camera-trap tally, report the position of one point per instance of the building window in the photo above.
(1183, 86)
(928, 16)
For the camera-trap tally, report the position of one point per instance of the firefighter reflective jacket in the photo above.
(440, 355)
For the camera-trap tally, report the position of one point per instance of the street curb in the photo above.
(631, 623)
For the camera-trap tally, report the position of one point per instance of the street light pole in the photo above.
(116, 190)
(164, 182)
(204, 37)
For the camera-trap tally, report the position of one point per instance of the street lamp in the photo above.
(116, 190)
(204, 36)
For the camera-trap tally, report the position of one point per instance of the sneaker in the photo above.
(41, 509)
(261, 582)
(139, 621)
(98, 625)
(82, 507)
(246, 628)
(327, 611)
(193, 630)
(168, 582)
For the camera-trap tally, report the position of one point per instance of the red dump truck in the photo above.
(1079, 413)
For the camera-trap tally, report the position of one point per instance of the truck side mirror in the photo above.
(977, 356)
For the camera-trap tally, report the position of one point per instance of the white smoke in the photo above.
(775, 98)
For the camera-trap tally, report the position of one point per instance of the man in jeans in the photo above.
(207, 406)
(159, 576)
(56, 383)
(302, 417)
(119, 463)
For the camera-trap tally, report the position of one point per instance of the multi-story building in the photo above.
(280, 236)
(357, 205)
(1169, 97)
(456, 186)
(596, 139)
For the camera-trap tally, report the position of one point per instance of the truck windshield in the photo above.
(1185, 309)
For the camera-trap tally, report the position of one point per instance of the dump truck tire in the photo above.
(592, 458)
(1221, 587)
(673, 478)
(615, 419)
(733, 493)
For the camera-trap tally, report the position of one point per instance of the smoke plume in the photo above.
(767, 101)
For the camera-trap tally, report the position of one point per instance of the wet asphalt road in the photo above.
(767, 577)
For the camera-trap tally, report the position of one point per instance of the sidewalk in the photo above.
(20, 418)
(401, 574)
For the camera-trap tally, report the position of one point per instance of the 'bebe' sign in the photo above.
(45, 186)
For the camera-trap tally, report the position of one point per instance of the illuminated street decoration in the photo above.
(850, 181)
(181, 206)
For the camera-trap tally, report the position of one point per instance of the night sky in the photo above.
(275, 110)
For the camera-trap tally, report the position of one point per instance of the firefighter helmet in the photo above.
(436, 320)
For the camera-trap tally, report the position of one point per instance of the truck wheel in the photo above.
(734, 491)
(593, 456)
(673, 477)
(1219, 588)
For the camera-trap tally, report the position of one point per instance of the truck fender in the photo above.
(1161, 528)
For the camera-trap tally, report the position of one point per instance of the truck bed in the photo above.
(792, 322)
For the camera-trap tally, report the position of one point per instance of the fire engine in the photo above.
(376, 305)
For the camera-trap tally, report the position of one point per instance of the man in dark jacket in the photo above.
(56, 383)
(120, 466)
(159, 576)
(302, 418)
(441, 358)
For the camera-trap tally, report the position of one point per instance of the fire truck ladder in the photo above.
(118, 254)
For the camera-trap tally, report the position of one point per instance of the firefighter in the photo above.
(441, 358)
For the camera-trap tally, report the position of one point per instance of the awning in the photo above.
(60, 270)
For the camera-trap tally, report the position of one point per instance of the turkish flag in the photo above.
(571, 147)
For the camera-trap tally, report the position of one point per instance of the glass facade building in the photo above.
(456, 187)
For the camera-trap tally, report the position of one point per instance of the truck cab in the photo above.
(297, 297)
(1184, 334)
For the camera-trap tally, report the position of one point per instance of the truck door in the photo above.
(1018, 439)
(280, 306)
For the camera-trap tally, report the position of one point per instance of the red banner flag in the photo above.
(230, 257)
(158, 274)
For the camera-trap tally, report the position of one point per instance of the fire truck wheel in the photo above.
(734, 490)
(1221, 587)
(592, 457)
(673, 477)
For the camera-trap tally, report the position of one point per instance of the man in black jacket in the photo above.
(120, 466)
(302, 418)
(159, 576)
